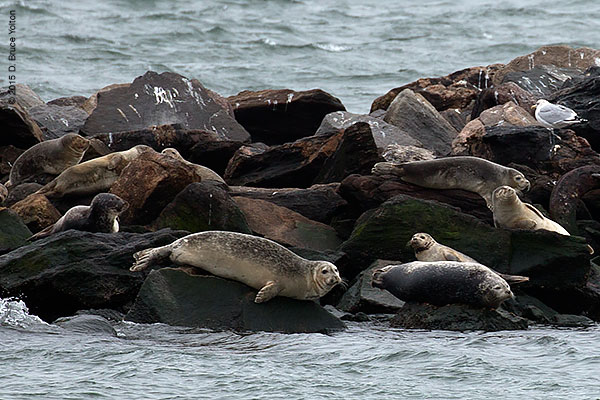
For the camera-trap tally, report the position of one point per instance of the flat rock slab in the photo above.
(174, 297)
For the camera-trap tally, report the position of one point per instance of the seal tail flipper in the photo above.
(513, 279)
(377, 277)
(47, 231)
(267, 292)
(148, 257)
(387, 168)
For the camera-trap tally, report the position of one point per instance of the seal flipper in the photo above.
(450, 256)
(145, 258)
(513, 279)
(267, 292)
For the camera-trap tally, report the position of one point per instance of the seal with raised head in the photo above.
(92, 176)
(102, 215)
(443, 282)
(204, 172)
(50, 157)
(258, 262)
(427, 249)
(464, 172)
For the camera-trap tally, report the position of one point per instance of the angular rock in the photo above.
(75, 101)
(501, 94)
(286, 226)
(213, 155)
(542, 80)
(531, 308)
(20, 129)
(13, 232)
(383, 133)
(456, 317)
(318, 202)
(161, 99)
(362, 297)
(203, 206)
(36, 211)
(173, 297)
(281, 116)
(413, 114)
(24, 96)
(401, 154)
(20, 192)
(149, 183)
(74, 270)
(92, 102)
(56, 121)
(456, 117)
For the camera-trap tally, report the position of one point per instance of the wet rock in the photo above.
(456, 317)
(161, 99)
(401, 154)
(56, 121)
(531, 308)
(383, 133)
(319, 202)
(502, 94)
(283, 115)
(174, 297)
(203, 206)
(87, 324)
(542, 80)
(362, 297)
(36, 211)
(75, 101)
(24, 96)
(74, 270)
(149, 183)
(13, 232)
(8, 156)
(20, 192)
(23, 131)
(286, 226)
(413, 114)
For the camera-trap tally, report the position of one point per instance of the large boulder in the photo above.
(13, 232)
(174, 297)
(542, 80)
(8, 156)
(203, 206)
(56, 121)
(36, 211)
(162, 99)
(23, 95)
(212, 154)
(281, 116)
(502, 94)
(412, 113)
(74, 270)
(19, 129)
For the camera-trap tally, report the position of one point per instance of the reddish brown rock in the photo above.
(75, 101)
(281, 116)
(36, 211)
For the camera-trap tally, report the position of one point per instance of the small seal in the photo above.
(258, 262)
(49, 157)
(93, 176)
(443, 282)
(464, 172)
(427, 249)
(204, 172)
(102, 215)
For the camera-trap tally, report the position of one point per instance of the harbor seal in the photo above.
(93, 176)
(258, 262)
(3, 193)
(100, 216)
(464, 172)
(49, 157)
(427, 249)
(204, 172)
(443, 282)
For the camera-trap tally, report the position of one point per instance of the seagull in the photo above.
(554, 115)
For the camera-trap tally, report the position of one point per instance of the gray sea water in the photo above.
(355, 50)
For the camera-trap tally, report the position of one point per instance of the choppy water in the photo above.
(356, 50)
(368, 361)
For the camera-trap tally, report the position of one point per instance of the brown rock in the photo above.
(36, 211)
(75, 101)
(23, 95)
(501, 94)
(90, 104)
(286, 226)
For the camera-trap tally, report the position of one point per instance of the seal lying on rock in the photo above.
(427, 249)
(203, 172)
(93, 176)
(49, 157)
(259, 263)
(3, 193)
(465, 172)
(443, 282)
(100, 216)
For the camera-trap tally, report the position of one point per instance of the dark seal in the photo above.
(443, 282)
(100, 216)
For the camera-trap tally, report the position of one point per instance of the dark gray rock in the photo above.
(56, 121)
(542, 80)
(75, 101)
(174, 297)
(531, 308)
(20, 130)
(13, 231)
(20, 192)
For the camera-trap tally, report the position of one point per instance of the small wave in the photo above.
(334, 48)
(14, 313)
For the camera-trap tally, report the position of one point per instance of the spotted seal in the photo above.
(443, 282)
(464, 172)
(258, 262)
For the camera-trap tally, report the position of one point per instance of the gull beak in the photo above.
(533, 106)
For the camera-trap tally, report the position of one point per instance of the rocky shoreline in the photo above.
(297, 169)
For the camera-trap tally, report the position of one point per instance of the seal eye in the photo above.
(324, 272)
(518, 178)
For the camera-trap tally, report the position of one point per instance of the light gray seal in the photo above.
(258, 262)
(48, 157)
(427, 249)
(102, 215)
(204, 172)
(465, 172)
(443, 282)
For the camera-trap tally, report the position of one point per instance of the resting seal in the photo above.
(204, 172)
(427, 249)
(100, 216)
(443, 282)
(258, 262)
(93, 176)
(3, 193)
(465, 172)
(49, 157)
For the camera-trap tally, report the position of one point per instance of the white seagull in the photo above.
(554, 115)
